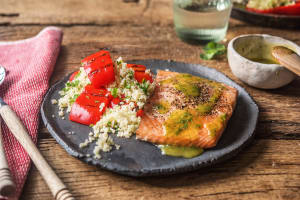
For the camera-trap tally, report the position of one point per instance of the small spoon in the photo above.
(287, 58)
(56, 186)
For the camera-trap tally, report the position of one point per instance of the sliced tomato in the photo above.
(87, 108)
(91, 58)
(139, 73)
(73, 75)
(115, 101)
(99, 68)
(84, 114)
(140, 76)
(140, 113)
(97, 91)
(135, 67)
(284, 10)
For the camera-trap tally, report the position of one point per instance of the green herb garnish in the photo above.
(144, 86)
(130, 74)
(73, 83)
(127, 85)
(65, 89)
(72, 100)
(213, 49)
(77, 75)
(119, 62)
(114, 92)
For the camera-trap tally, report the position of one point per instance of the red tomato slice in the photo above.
(139, 73)
(115, 101)
(140, 68)
(92, 90)
(73, 75)
(284, 10)
(140, 113)
(86, 115)
(86, 108)
(100, 54)
(140, 76)
(99, 68)
(102, 77)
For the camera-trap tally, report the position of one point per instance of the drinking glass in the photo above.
(201, 21)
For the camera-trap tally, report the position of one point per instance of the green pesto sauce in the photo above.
(162, 107)
(185, 83)
(214, 126)
(189, 85)
(178, 121)
(186, 152)
(264, 60)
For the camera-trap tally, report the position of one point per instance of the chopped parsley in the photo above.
(114, 92)
(119, 62)
(130, 74)
(72, 100)
(127, 85)
(72, 83)
(66, 89)
(77, 75)
(144, 86)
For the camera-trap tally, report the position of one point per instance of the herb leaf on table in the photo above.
(213, 49)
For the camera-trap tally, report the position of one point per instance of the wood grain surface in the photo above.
(268, 169)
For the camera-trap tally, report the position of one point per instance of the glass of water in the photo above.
(201, 21)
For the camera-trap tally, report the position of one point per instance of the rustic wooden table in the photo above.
(267, 169)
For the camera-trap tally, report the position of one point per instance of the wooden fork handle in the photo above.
(7, 186)
(57, 187)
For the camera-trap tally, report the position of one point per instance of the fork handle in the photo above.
(7, 186)
(57, 187)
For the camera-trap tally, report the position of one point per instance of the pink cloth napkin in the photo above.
(29, 64)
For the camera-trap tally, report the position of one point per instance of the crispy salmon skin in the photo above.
(186, 110)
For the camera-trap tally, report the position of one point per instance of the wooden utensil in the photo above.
(7, 186)
(58, 189)
(287, 58)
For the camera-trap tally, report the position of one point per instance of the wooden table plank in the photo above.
(268, 169)
(76, 12)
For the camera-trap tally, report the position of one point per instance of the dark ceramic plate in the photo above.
(138, 158)
(275, 21)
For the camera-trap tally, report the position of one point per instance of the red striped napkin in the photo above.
(29, 64)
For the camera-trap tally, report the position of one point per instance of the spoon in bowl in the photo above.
(287, 58)
(7, 186)
(56, 186)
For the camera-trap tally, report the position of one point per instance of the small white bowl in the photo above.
(266, 76)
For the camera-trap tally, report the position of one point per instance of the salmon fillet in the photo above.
(186, 110)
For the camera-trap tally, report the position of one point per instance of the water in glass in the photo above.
(201, 20)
